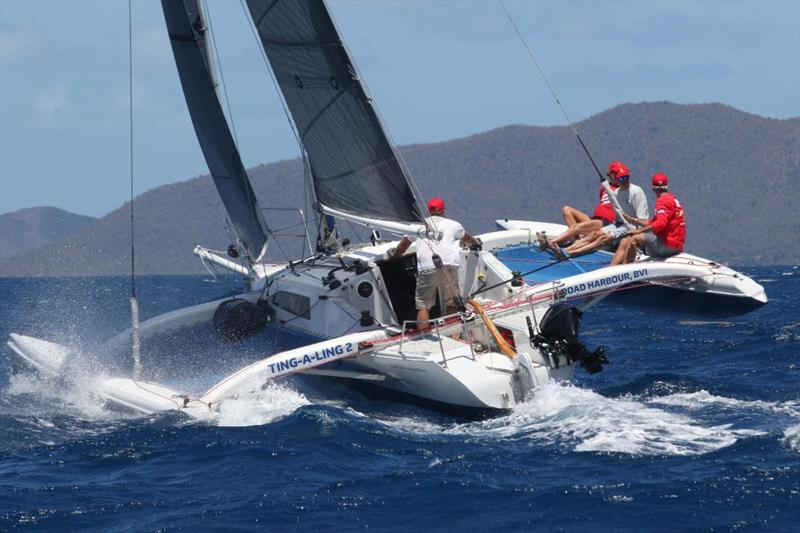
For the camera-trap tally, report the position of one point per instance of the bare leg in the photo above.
(626, 252)
(581, 228)
(637, 242)
(621, 255)
(592, 242)
(573, 216)
(422, 319)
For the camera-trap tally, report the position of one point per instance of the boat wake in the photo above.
(564, 417)
(585, 421)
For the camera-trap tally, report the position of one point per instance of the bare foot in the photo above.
(541, 237)
(558, 252)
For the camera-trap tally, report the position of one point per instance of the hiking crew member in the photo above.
(668, 227)
(633, 202)
(579, 222)
(438, 258)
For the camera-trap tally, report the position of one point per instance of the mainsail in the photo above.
(193, 59)
(354, 167)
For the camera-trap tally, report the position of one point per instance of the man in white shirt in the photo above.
(438, 258)
(633, 202)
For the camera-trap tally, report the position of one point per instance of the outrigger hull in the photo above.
(685, 285)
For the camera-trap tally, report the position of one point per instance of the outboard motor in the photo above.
(558, 335)
(236, 319)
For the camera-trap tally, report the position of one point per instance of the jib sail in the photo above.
(187, 34)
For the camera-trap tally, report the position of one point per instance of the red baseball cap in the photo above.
(660, 180)
(619, 169)
(435, 204)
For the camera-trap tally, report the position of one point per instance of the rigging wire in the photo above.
(272, 76)
(218, 61)
(135, 338)
(515, 277)
(611, 196)
(307, 200)
(130, 139)
(206, 17)
(552, 91)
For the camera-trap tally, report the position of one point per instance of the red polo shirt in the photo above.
(669, 222)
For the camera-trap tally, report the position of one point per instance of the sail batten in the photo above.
(186, 30)
(354, 167)
(322, 111)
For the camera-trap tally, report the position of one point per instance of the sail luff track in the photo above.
(192, 57)
(353, 165)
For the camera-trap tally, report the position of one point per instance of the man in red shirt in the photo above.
(668, 227)
(578, 222)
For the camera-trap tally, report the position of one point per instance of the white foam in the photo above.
(259, 408)
(589, 422)
(28, 383)
(792, 437)
(78, 394)
(54, 396)
(703, 399)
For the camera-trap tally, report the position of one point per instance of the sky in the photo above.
(437, 70)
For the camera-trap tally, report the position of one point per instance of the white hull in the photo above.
(351, 306)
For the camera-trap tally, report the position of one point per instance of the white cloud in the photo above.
(51, 103)
(19, 45)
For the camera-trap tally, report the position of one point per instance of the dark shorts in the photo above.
(656, 247)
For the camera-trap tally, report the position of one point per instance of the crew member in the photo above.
(663, 235)
(579, 223)
(438, 258)
(631, 199)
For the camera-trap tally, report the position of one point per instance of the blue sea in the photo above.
(695, 426)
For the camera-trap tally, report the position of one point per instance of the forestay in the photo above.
(354, 167)
(187, 34)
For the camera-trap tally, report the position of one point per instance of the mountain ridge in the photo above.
(716, 157)
(36, 227)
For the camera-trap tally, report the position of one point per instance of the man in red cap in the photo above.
(438, 259)
(580, 224)
(663, 235)
(632, 201)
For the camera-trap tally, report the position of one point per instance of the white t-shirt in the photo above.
(633, 202)
(443, 240)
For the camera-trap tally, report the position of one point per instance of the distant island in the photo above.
(737, 174)
(36, 227)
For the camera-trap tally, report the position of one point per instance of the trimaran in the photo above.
(519, 330)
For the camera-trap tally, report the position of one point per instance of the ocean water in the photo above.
(694, 426)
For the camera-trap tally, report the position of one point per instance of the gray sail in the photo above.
(353, 165)
(187, 36)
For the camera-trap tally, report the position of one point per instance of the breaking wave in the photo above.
(792, 437)
(274, 402)
(586, 421)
